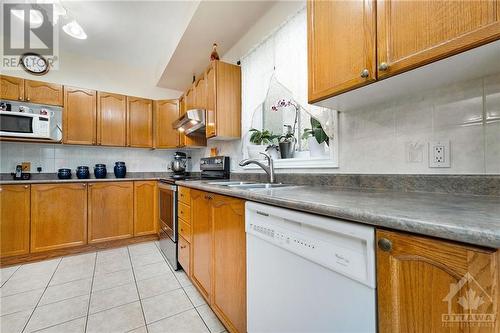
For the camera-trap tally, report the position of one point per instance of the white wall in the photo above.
(375, 139)
(52, 157)
(85, 72)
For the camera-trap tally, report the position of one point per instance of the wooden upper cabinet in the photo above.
(111, 119)
(43, 92)
(224, 91)
(58, 216)
(14, 220)
(111, 211)
(166, 112)
(140, 122)
(414, 33)
(341, 46)
(421, 280)
(80, 115)
(201, 242)
(229, 258)
(145, 208)
(200, 95)
(189, 100)
(211, 92)
(12, 88)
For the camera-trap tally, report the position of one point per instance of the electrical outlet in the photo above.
(439, 154)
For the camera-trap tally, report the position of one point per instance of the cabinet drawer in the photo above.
(185, 230)
(184, 255)
(184, 195)
(184, 212)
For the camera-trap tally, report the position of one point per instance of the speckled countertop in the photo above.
(464, 218)
(44, 178)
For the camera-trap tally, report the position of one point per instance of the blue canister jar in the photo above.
(100, 171)
(64, 173)
(120, 170)
(82, 172)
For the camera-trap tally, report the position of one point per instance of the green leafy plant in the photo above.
(288, 136)
(262, 137)
(317, 131)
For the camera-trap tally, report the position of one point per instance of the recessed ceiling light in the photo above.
(74, 30)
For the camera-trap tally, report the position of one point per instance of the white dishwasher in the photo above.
(308, 273)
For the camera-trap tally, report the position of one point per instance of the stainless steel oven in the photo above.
(168, 235)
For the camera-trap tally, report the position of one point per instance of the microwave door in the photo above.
(16, 124)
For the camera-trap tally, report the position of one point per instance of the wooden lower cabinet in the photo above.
(425, 284)
(111, 211)
(58, 216)
(201, 241)
(184, 255)
(218, 255)
(145, 208)
(14, 220)
(229, 262)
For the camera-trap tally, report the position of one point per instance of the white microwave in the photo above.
(28, 125)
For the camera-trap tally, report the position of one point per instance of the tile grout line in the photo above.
(11, 276)
(43, 293)
(90, 296)
(64, 322)
(137, 290)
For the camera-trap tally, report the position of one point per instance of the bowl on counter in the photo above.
(100, 171)
(64, 173)
(82, 172)
(120, 169)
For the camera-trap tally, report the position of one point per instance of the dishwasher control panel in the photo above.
(340, 251)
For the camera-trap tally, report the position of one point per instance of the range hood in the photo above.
(190, 122)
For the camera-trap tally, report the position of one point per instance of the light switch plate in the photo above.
(439, 154)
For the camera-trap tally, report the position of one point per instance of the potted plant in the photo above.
(287, 141)
(316, 138)
(260, 140)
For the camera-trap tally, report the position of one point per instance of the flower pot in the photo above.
(254, 150)
(287, 149)
(316, 149)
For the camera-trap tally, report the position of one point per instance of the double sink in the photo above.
(249, 185)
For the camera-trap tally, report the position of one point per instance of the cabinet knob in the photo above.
(90, 184)
(365, 73)
(27, 99)
(384, 244)
(84, 185)
(26, 186)
(383, 66)
(183, 246)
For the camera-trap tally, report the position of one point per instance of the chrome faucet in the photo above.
(269, 168)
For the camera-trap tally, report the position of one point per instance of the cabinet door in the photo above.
(14, 220)
(166, 112)
(414, 33)
(58, 216)
(80, 113)
(211, 128)
(111, 211)
(140, 122)
(422, 281)
(201, 242)
(145, 208)
(341, 46)
(190, 99)
(43, 92)
(111, 119)
(229, 292)
(12, 88)
(201, 97)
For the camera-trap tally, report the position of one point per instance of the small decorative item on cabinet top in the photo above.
(214, 55)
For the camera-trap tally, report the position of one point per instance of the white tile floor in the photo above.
(128, 289)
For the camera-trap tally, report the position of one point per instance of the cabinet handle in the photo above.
(27, 99)
(90, 184)
(365, 73)
(26, 186)
(84, 185)
(383, 66)
(183, 246)
(385, 245)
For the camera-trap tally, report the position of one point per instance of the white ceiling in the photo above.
(223, 22)
(138, 34)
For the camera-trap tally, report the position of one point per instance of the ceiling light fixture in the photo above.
(74, 30)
